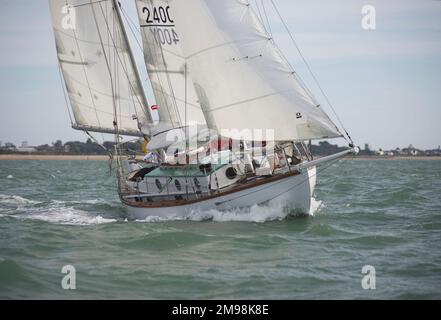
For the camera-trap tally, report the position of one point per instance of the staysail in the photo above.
(171, 81)
(240, 77)
(105, 92)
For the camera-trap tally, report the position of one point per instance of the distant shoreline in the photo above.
(393, 158)
(61, 157)
(52, 157)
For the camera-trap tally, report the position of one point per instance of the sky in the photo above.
(385, 83)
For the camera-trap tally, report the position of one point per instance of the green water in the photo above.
(381, 213)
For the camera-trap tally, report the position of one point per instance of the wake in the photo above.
(256, 213)
(67, 213)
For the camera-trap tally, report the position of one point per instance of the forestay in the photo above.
(172, 85)
(240, 77)
(99, 72)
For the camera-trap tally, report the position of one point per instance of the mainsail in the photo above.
(105, 92)
(240, 77)
(171, 82)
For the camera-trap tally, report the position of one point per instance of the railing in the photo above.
(188, 190)
(146, 189)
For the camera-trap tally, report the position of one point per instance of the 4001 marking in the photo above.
(165, 36)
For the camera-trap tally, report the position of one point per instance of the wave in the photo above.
(273, 211)
(253, 214)
(75, 202)
(68, 216)
(316, 206)
(64, 216)
(54, 211)
(71, 212)
(10, 271)
(16, 200)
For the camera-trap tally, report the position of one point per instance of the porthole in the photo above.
(197, 184)
(178, 185)
(231, 173)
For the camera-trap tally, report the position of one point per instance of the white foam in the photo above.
(253, 214)
(56, 212)
(270, 212)
(16, 200)
(70, 216)
(64, 212)
(10, 176)
(87, 201)
(66, 216)
(316, 206)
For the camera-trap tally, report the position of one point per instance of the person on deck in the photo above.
(151, 157)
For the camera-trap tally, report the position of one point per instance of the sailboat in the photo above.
(235, 120)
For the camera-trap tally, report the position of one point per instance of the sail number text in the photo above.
(158, 15)
(162, 25)
(165, 35)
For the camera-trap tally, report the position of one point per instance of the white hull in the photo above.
(292, 192)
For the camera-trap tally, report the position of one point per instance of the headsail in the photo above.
(172, 85)
(101, 78)
(241, 80)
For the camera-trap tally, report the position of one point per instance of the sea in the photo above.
(374, 232)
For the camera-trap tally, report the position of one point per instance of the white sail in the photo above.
(241, 80)
(99, 72)
(172, 85)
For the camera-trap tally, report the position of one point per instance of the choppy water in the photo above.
(381, 213)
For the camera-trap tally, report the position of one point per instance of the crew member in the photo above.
(151, 157)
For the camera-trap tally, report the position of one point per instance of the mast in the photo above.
(119, 165)
(117, 5)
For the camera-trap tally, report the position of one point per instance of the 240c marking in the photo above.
(160, 14)
(161, 24)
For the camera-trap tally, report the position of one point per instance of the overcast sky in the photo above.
(385, 84)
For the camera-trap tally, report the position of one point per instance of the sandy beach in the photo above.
(52, 157)
(392, 158)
